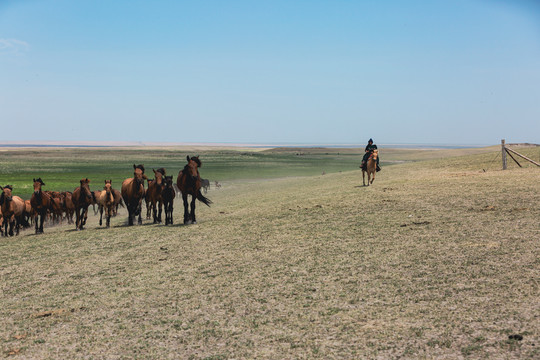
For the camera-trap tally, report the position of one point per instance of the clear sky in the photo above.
(276, 71)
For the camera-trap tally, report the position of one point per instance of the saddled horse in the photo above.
(189, 183)
(12, 210)
(41, 202)
(168, 194)
(370, 168)
(133, 193)
(105, 202)
(82, 199)
(154, 202)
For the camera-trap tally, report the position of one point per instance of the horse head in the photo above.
(108, 186)
(138, 174)
(6, 193)
(160, 173)
(38, 183)
(108, 190)
(168, 182)
(192, 167)
(86, 188)
(375, 154)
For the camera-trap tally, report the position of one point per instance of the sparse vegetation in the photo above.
(438, 258)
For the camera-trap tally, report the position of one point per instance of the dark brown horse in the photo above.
(82, 199)
(41, 202)
(154, 202)
(133, 193)
(12, 210)
(189, 183)
(168, 196)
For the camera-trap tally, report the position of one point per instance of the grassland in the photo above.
(438, 259)
(62, 168)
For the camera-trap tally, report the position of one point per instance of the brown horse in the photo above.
(153, 199)
(106, 202)
(189, 183)
(57, 206)
(12, 210)
(41, 202)
(1, 223)
(168, 196)
(69, 206)
(370, 168)
(117, 201)
(27, 214)
(133, 193)
(82, 199)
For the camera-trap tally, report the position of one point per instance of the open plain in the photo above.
(439, 258)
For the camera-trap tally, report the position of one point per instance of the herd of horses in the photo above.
(159, 194)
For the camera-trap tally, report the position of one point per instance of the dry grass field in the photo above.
(437, 259)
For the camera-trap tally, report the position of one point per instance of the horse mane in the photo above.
(196, 159)
(8, 187)
(161, 170)
(140, 167)
(186, 169)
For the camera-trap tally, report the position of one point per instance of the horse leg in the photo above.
(364, 177)
(148, 209)
(77, 218)
(168, 212)
(18, 224)
(84, 216)
(36, 222)
(192, 215)
(100, 215)
(373, 176)
(154, 212)
(186, 209)
(160, 208)
(171, 212)
(139, 221)
(109, 212)
(130, 215)
(11, 223)
(42, 220)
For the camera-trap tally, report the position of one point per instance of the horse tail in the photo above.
(206, 201)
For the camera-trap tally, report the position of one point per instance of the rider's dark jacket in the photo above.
(369, 149)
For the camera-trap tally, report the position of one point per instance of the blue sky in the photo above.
(342, 71)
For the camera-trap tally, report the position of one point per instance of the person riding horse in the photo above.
(369, 150)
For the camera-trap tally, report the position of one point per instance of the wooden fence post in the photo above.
(503, 148)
